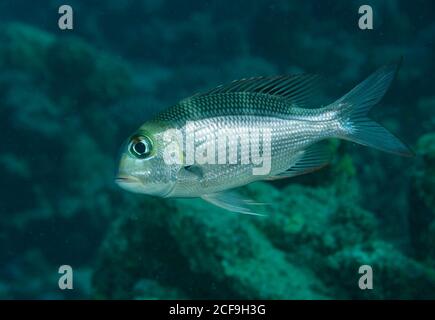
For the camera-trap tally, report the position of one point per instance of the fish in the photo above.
(253, 129)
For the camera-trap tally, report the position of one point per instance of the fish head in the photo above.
(142, 166)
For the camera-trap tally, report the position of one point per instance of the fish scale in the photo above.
(288, 137)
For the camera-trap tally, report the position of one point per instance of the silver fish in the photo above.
(280, 109)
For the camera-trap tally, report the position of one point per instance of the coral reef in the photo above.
(422, 200)
(55, 95)
(309, 247)
(217, 255)
(68, 99)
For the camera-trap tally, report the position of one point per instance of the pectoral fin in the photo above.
(232, 201)
(195, 170)
(190, 173)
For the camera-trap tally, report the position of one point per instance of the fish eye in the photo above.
(140, 147)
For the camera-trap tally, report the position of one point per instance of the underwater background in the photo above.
(69, 99)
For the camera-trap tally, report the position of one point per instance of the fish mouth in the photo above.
(129, 183)
(121, 179)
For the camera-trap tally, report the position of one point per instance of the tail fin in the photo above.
(354, 106)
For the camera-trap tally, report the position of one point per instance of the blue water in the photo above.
(69, 99)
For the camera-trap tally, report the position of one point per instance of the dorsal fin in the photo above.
(297, 89)
(261, 96)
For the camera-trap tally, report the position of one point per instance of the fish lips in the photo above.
(129, 183)
(136, 185)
